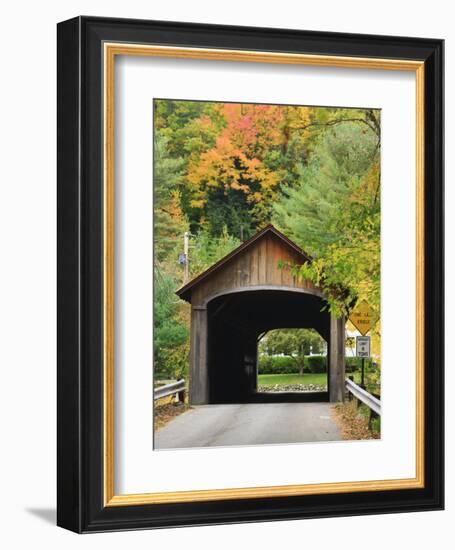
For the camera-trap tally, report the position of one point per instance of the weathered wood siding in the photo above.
(256, 266)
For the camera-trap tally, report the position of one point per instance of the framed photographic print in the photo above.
(250, 274)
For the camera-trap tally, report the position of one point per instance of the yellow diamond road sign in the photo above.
(363, 318)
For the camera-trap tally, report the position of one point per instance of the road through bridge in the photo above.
(249, 424)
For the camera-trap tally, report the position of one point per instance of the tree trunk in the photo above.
(302, 366)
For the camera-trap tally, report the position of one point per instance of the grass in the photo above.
(307, 378)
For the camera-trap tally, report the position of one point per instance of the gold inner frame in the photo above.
(110, 51)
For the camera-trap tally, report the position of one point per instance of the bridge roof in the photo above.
(185, 291)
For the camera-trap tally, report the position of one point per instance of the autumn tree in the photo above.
(334, 214)
(232, 182)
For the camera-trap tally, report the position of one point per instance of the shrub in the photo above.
(354, 364)
(317, 363)
(268, 364)
(278, 364)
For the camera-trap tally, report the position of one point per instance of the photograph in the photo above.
(267, 273)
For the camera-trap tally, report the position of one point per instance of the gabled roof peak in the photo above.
(183, 292)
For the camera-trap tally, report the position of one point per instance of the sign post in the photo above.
(363, 350)
(363, 318)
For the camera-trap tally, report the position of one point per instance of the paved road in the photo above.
(252, 424)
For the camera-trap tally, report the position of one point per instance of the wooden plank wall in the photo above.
(256, 266)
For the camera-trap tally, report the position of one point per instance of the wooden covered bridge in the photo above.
(240, 297)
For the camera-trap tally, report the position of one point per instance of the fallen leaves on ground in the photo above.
(351, 423)
(167, 412)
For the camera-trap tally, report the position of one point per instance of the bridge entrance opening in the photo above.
(242, 327)
(291, 360)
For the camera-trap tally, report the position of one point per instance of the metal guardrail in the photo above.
(171, 389)
(362, 395)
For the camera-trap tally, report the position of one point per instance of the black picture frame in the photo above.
(80, 276)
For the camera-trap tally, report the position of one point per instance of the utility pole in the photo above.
(186, 248)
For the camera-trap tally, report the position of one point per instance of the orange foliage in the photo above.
(236, 160)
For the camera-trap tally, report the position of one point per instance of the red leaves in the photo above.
(237, 159)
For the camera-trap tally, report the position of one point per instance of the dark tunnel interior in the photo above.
(235, 323)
